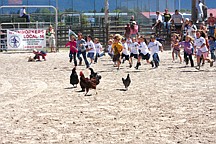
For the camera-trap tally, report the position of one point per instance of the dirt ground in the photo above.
(168, 105)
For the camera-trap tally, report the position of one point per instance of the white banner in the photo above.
(26, 39)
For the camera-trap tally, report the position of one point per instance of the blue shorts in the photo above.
(90, 55)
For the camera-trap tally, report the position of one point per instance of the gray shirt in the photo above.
(177, 18)
(82, 47)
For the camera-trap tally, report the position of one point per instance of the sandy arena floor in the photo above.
(169, 105)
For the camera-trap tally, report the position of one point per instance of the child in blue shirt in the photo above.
(212, 46)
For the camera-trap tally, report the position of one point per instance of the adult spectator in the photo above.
(127, 31)
(211, 22)
(177, 19)
(132, 19)
(167, 17)
(51, 33)
(134, 29)
(158, 23)
(201, 11)
(191, 31)
(24, 15)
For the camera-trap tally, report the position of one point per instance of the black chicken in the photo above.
(126, 81)
(74, 80)
(86, 83)
(95, 75)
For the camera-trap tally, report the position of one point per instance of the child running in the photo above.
(134, 50)
(117, 50)
(155, 47)
(201, 49)
(73, 50)
(125, 52)
(144, 51)
(176, 47)
(212, 46)
(98, 48)
(188, 50)
(90, 49)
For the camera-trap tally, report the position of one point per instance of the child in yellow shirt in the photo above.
(117, 50)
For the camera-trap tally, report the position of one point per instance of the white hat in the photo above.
(133, 22)
(187, 19)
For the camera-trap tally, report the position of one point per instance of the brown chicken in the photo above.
(86, 83)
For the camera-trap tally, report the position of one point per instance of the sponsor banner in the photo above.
(26, 39)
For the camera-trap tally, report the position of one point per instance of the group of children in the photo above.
(85, 47)
(198, 46)
(121, 49)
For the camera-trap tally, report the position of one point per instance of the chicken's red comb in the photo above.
(81, 73)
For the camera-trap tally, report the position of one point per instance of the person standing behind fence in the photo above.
(73, 49)
(134, 29)
(167, 17)
(127, 31)
(158, 23)
(211, 22)
(50, 32)
(81, 45)
(24, 15)
(178, 20)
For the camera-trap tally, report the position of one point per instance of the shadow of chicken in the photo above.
(74, 80)
(126, 82)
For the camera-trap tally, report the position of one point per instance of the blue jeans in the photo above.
(167, 26)
(98, 55)
(213, 54)
(73, 56)
(27, 17)
(84, 57)
(211, 30)
(156, 59)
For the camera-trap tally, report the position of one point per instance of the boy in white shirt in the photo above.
(155, 46)
(143, 51)
(126, 52)
(98, 48)
(90, 49)
(134, 50)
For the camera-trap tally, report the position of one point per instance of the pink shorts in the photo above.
(205, 55)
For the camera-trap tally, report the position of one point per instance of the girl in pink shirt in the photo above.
(73, 49)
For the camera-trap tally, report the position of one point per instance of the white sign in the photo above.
(26, 39)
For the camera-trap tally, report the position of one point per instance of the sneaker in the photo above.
(130, 65)
(203, 64)
(80, 63)
(198, 67)
(211, 63)
(152, 63)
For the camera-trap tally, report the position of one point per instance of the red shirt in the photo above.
(72, 45)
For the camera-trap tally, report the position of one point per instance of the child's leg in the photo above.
(173, 55)
(191, 60)
(213, 54)
(75, 60)
(70, 56)
(186, 58)
(96, 58)
(179, 55)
